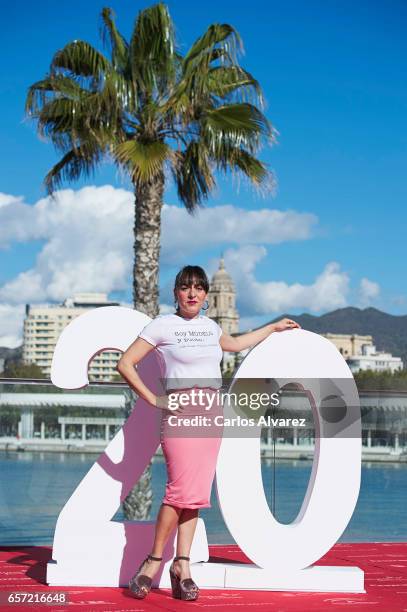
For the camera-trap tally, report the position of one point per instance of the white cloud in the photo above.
(328, 291)
(11, 319)
(184, 235)
(17, 221)
(6, 199)
(88, 243)
(368, 291)
(88, 246)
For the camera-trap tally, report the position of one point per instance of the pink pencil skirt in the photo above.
(190, 443)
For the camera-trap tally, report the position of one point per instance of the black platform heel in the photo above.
(140, 584)
(183, 589)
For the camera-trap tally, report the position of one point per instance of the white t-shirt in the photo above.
(188, 349)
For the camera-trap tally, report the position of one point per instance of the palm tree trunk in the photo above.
(147, 232)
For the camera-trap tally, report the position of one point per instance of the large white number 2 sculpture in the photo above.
(91, 549)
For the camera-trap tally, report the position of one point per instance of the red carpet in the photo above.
(384, 564)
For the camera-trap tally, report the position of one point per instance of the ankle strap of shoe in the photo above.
(155, 558)
(181, 557)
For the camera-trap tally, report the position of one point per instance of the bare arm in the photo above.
(131, 357)
(239, 343)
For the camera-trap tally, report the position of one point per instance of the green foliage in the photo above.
(19, 369)
(147, 107)
(375, 381)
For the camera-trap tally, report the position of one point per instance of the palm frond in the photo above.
(193, 175)
(69, 114)
(235, 117)
(252, 167)
(204, 49)
(70, 122)
(75, 163)
(41, 91)
(59, 116)
(81, 59)
(119, 47)
(235, 125)
(152, 50)
(143, 161)
(222, 81)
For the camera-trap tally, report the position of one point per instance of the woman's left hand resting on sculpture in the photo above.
(234, 344)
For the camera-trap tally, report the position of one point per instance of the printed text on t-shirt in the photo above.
(192, 337)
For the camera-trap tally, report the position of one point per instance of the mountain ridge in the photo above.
(389, 331)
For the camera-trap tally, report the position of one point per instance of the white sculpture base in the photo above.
(340, 579)
(240, 576)
(108, 560)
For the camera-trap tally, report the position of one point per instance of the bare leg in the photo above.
(167, 520)
(186, 529)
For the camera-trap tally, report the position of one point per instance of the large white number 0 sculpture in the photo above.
(91, 549)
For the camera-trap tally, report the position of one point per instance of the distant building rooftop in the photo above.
(80, 300)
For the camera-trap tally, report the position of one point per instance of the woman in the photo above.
(189, 346)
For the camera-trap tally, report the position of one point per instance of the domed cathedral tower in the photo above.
(222, 300)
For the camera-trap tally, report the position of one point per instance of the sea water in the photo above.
(34, 486)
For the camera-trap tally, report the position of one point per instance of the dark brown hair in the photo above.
(189, 274)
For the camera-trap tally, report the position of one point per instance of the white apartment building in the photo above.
(370, 359)
(361, 354)
(44, 323)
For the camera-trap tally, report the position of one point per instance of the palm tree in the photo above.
(153, 112)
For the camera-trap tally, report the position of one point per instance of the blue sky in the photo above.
(334, 78)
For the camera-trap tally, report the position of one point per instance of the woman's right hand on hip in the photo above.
(162, 402)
